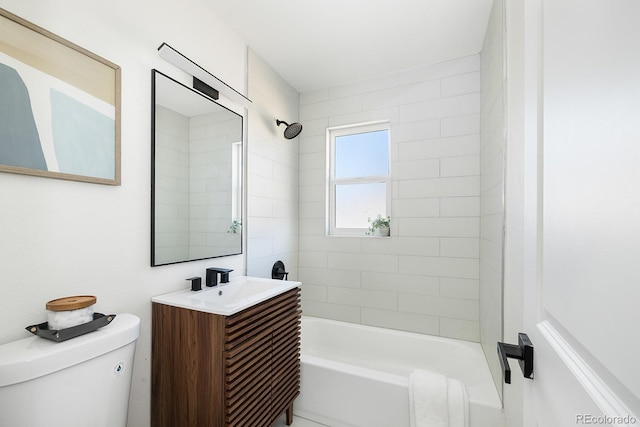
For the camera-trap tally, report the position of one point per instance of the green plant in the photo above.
(378, 222)
(235, 226)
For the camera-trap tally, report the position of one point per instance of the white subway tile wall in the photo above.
(172, 188)
(272, 173)
(425, 277)
(493, 142)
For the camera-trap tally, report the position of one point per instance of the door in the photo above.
(581, 234)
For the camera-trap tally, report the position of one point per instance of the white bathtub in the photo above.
(356, 375)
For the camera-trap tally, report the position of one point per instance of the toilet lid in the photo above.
(71, 303)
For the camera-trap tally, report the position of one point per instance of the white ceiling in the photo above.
(323, 43)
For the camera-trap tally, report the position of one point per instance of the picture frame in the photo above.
(60, 106)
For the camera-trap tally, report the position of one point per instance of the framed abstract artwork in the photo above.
(59, 106)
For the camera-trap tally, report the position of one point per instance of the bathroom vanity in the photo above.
(226, 356)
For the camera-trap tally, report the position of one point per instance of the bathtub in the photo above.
(358, 376)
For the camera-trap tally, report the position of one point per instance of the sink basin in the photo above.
(240, 293)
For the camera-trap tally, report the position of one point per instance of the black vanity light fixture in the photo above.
(292, 130)
(203, 80)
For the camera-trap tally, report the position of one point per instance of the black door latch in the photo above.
(523, 352)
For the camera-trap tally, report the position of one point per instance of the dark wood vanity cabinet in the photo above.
(238, 370)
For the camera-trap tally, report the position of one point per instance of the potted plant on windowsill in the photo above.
(379, 226)
(235, 227)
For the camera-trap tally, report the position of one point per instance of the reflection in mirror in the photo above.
(196, 175)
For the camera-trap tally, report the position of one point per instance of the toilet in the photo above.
(84, 381)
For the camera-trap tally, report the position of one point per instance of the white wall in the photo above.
(492, 157)
(272, 187)
(62, 238)
(423, 278)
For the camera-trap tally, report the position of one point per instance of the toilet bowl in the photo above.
(84, 381)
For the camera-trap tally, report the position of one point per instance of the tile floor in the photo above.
(297, 422)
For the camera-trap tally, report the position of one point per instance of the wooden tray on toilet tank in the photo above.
(42, 329)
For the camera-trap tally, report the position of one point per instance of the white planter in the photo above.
(382, 231)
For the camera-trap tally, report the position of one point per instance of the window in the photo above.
(236, 182)
(359, 179)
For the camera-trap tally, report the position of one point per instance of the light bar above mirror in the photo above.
(185, 64)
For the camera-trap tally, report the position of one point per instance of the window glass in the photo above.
(356, 203)
(362, 154)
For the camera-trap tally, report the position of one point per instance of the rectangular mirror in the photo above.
(196, 175)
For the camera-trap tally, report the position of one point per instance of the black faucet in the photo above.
(212, 276)
(196, 283)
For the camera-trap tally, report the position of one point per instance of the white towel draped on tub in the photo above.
(437, 401)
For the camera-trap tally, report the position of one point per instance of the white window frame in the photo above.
(236, 181)
(332, 182)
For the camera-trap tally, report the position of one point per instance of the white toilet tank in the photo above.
(80, 382)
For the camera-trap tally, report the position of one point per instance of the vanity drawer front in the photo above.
(286, 363)
(260, 318)
(255, 339)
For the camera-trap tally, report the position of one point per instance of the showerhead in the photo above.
(292, 129)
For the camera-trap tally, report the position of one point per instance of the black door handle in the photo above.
(523, 352)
